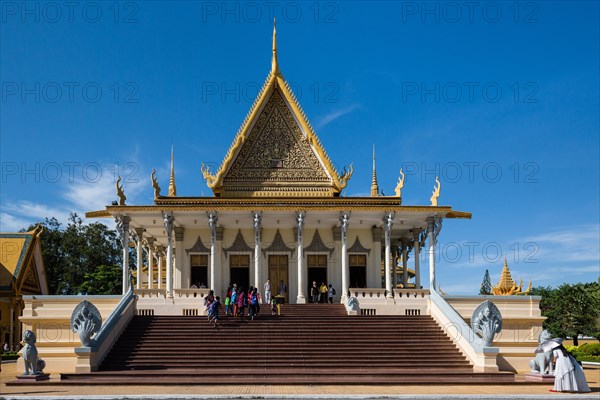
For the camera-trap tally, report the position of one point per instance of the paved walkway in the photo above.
(301, 392)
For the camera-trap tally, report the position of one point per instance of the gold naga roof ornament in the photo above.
(155, 184)
(120, 192)
(400, 185)
(506, 286)
(302, 169)
(346, 175)
(436, 193)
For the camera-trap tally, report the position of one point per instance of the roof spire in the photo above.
(374, 185)
(274, 63)
(172, 188)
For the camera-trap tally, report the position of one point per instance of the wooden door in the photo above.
(278, 271)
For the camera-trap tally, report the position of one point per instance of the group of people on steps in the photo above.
(237, 300)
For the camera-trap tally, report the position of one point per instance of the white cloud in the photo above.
(565, 254)
(10, 223)
(80, 196)
(332, 116)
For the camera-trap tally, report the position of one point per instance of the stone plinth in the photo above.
(542, 378)
(32, 378)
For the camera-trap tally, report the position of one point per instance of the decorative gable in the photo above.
(276, 152)
(276, 158)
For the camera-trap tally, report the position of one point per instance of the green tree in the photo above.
(571, 310)
(486, 285)
(77, 250)
(106, 279)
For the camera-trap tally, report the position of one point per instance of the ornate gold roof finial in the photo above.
(436, 193)
(506, 286)
(400, 185)
(120, 193)
(155, 184)
(172, 188)
(274, 62)
(374, 185)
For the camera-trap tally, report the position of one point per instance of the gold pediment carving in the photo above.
(276, 157)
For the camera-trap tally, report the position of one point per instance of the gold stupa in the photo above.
(506, 286)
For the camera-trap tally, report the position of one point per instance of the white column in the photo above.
(161, 266)
(301, 298)
(404, 264)
(123, 230)
(180, 274)
(212, 223)
(388, 222)
(256, 217)
(433, 228)
(417, 255)
(150, 241)
(344, 222)
(139, 232)
(169, 221)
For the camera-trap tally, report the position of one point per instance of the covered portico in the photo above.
(298, 231)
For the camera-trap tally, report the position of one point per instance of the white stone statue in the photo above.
(352, 304)
(86, 321)
(33, 364)
(543, 363)
(486, 321)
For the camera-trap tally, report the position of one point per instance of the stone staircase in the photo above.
(307, 344)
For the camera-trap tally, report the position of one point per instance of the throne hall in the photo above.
(277, 213)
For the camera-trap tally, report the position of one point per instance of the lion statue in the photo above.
(543, 362)
(33, 364)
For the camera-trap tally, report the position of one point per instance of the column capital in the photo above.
(213, 218)
(416, 232)
(139, 232)
(430, 223)
(257, 220)
(300, 216)
(150, 240)
(168, 220)
(388, 221)
(344, 221)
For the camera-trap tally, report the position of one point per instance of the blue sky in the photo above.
(500, 99)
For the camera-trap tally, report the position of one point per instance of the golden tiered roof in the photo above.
(506, 286)
(276, 152)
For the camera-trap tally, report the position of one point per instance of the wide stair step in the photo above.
(306, 344)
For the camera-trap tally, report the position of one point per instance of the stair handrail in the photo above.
(113, 318)
(483, 357)
(90, 358)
